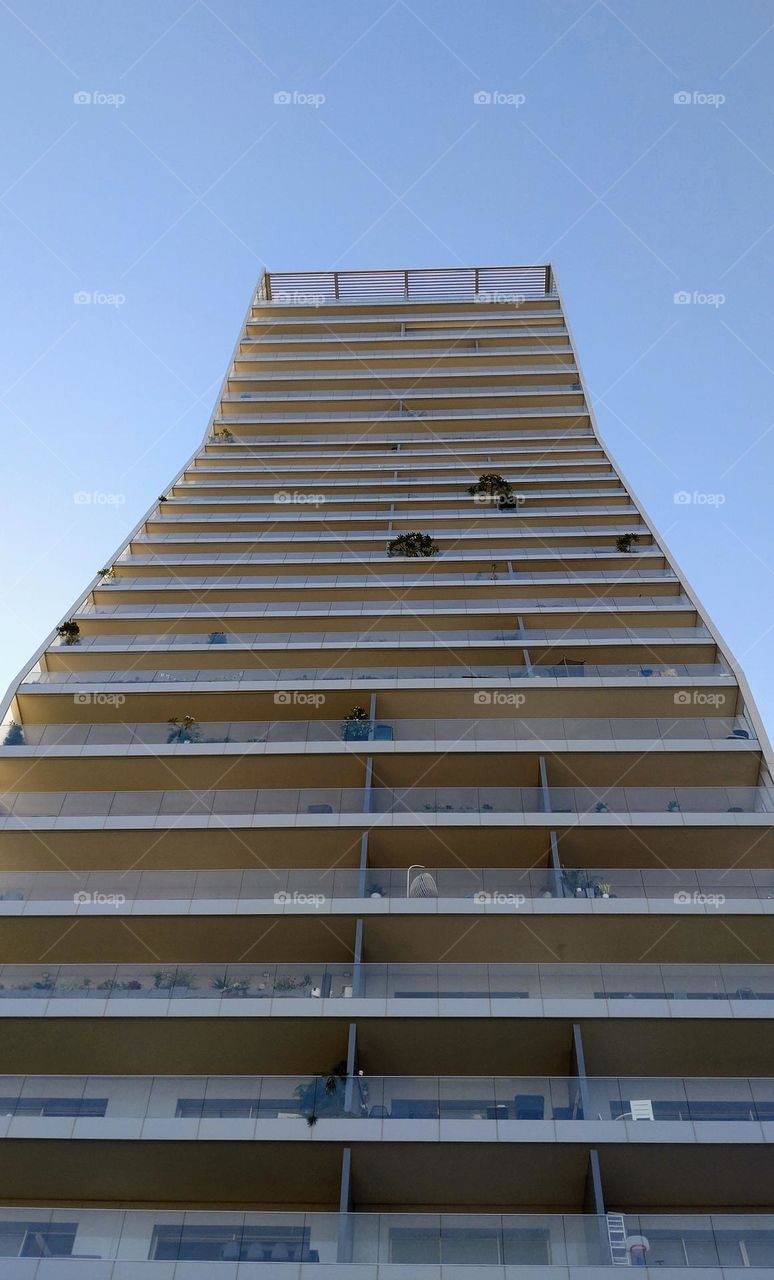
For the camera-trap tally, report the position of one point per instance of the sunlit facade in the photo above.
(386, 858)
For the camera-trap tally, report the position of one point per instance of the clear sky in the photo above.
(162, 196)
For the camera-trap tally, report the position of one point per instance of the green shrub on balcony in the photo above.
(356, 725)
(413, 545)
(624, 542)
(70, 632)
(491, 485)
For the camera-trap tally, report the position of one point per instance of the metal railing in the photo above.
(444, 284)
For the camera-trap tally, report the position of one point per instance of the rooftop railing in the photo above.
(444, 284)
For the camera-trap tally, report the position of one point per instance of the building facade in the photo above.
(386, 857)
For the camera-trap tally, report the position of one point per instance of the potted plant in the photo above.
(69, 631)
(323, 1095)
(413, 546)
(603, 889)
(14, 735)
(356, 725)
(223, 436)
(375, 890)
(184, 729)
(624, 542)
(107, 575)
(491, 485)
(216, 637)
(162, 498)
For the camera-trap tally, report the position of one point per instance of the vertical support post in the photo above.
(361, 881)
(594, 1201)
(349, 1087)
(344, 1244)
(357, 966)
(579, 1069)
(556, 865)
(544, 789)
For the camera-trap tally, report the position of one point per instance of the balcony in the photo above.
(368, 1108)
(396, 990)
(404, 806)
(501, 732)
(428, 285)
(505, 1246)
(382, 890)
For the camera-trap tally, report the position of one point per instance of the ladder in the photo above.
(616, 1236)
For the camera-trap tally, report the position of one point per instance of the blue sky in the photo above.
(162, 197)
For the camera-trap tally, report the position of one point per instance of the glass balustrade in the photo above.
(399, 801)
(492, 1242)
(504, 730)
(282, 676)
(368, 638)
(386, 984)
(332, 580)
(312, 889)
(375, 557)
(682, 1101)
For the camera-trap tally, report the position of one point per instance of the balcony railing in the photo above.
(370, 639)
(421, 802)
(444, 988)
(416, 607)
(311, 890)
(533, 733)
(288, 677)
(443, 284)
(492, 1242)
(683, 1101)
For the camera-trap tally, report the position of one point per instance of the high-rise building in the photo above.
(387, 873)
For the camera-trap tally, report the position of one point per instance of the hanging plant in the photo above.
(413, 545)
